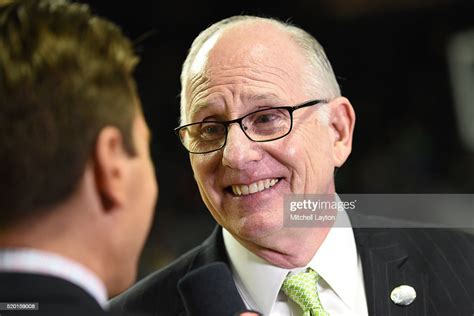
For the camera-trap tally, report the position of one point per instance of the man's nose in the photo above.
(239, 150)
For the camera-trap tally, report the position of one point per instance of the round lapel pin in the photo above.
(403, 295)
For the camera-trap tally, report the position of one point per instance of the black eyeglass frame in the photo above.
(239, 120)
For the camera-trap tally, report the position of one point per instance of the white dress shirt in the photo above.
(341, 286)
(27, 260)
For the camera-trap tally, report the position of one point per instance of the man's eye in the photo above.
(265, 118)
(211, 131)
(269, 117)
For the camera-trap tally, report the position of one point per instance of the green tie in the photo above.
(302, 289)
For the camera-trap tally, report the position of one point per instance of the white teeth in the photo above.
(242, 189)
(253, 188)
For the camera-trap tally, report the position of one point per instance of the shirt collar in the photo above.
(27, 260)
(259, 280)
(336, 261)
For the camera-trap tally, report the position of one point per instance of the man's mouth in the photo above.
(258, 186)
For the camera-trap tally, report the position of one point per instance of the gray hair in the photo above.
(321, 79)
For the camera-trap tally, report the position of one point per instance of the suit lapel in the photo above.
(387, 265)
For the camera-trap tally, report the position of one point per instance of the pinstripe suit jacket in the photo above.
(437, 263)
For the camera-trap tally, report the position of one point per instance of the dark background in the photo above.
(390, 58)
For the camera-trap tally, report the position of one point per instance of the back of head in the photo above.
(319, 74)
(64, 75)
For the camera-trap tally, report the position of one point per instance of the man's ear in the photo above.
(110, 160)
(342, 122)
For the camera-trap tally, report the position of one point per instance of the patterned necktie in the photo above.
(302, 289)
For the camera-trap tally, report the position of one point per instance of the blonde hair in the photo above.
(64, 75)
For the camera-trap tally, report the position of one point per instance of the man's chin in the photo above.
(253, 230)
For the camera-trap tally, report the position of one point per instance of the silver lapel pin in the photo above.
(403, 295)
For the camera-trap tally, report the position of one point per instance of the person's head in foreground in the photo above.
(292, 129)
(76, 178)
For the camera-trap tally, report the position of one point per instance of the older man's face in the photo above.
(246, 70)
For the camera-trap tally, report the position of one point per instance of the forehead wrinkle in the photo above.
(261, 96)
(252, 66)
(247, 85)
(278, 71)
(220, 73)
(199, 102)
(196, 81)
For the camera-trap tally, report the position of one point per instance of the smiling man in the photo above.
(263, 118)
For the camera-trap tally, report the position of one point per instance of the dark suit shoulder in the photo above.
(157, 294)
(55, 296)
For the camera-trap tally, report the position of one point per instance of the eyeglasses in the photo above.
(259, 126)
